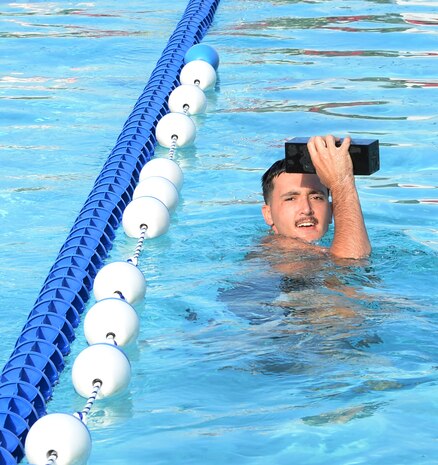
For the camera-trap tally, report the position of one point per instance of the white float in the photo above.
(120, 277)
(104, 362)
(160, 188)
(164, 167)
(200, 73)
(111, 317)
(63, 438)
(59, 433)
(175, 124)
(187, 98)
(147, 211)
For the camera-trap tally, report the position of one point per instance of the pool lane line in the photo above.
(28, 377)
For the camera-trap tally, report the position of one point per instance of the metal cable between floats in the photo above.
(27, 379)
(90, 401)
(51, 459)
(173, 146)
(139, 247)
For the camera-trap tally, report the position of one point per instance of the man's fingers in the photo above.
(325, 144)
(311, 145)
(330, 141)
(346, 142)
(320, 143)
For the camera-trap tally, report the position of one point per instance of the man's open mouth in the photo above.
(306, 223)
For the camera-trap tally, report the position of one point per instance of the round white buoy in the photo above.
(187, 98)
(61, 434)
(104, 362)
(200, 73)
(111, 317)
(164, 167)
(147, 211)
(175, 124)
(160, 188)
(120, 277)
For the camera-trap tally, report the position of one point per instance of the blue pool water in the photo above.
(240, 359)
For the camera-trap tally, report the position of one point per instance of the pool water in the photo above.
(241, 358)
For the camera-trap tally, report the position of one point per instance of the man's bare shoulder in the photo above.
(274, 244)
(278, 249)
(287, 255)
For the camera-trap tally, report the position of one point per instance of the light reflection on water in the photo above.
(242, 358)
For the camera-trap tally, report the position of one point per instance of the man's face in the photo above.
(299, 207)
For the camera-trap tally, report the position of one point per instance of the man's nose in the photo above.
(306, 207)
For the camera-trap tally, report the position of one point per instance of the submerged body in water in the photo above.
(299, 287)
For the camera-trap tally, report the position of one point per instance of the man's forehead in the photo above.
(298, 181)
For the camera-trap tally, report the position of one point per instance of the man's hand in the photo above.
(334, 168)
(333, 164)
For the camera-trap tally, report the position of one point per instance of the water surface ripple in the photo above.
(245, 357)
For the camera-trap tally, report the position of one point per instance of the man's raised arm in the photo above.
(334, 168)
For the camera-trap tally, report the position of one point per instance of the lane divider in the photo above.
(27, 380)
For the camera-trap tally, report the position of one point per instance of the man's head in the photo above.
(296, 205)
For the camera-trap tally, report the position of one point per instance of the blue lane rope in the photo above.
(27, 380)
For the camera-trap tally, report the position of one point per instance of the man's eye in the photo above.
(317, 197)
(289, 198)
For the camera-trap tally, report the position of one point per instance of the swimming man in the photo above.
(297, 206)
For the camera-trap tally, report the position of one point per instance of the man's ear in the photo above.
(266, 212)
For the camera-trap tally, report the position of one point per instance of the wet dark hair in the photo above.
(268, 178)
(273, 172)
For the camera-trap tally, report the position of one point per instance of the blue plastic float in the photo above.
(27, 380)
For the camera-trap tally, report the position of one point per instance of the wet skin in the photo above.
(299, 207)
